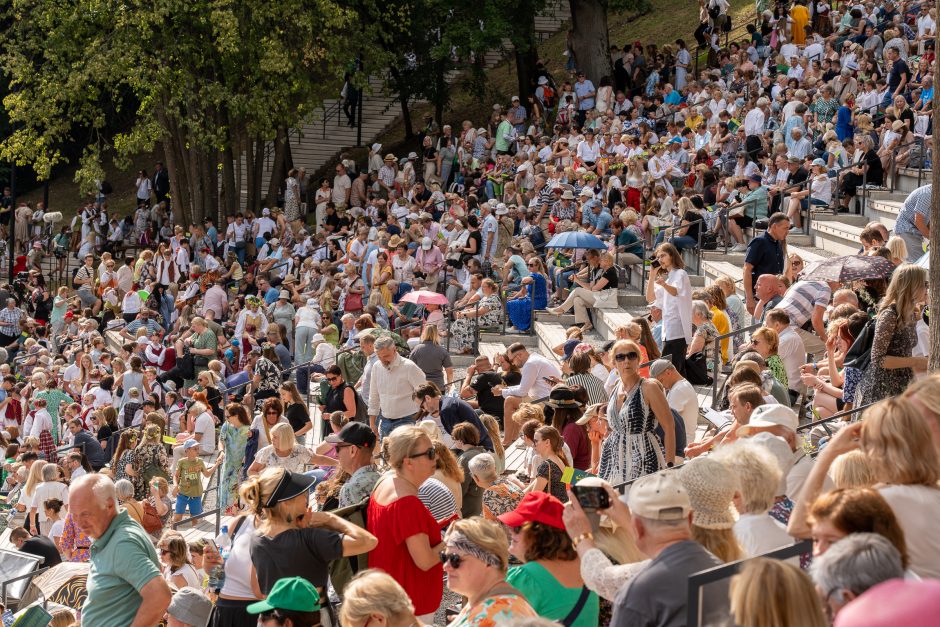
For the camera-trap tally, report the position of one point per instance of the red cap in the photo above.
(539, 507)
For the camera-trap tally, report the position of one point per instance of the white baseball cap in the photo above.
(770, 416)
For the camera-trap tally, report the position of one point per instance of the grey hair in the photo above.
(384, 342)
(856, 563)
(123, 489)
(50, 472)
(699, 307)
(483, 466)
(101, 486)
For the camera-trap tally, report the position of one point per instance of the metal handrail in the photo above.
(29, 575)
(716, 361)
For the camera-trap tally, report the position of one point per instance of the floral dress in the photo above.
(462, 330)
(878, 383)
(549, 470)
(501, 497)
(234, 440)
(151, 462)
(128, 457)
(291, 199)
(75, 543)
(775, 365)
(631, 449)
(494, 610)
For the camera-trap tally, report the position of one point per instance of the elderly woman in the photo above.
(124, 490)
(703, 338)
(285, 452)
(374, 596)
(500, 495)
(487, 313)
(598, 290)
(550, 577)
(476, 560)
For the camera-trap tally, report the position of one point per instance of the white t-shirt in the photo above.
(45, 491)
(793, 355)
(917, 508)
(759, 533)
(683, 399)
(238, 565)
(55, 531)
(205, 424)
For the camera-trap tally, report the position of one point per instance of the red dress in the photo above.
(392, 524)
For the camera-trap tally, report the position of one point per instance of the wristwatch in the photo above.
(670, 464)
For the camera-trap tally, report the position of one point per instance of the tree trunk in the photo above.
(403, 101)
(589, 38)
(257, 172)
(277, 169)
(229, 186)
(934, 359)
(525, 48)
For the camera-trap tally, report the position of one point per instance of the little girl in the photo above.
(53, 509)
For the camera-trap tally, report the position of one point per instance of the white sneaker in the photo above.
(739, 248)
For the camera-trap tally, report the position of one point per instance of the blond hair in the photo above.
(401, 443)
(792, 601)
(898, 444)
(527, 412)
(447, 462)
(619, 544)
(907, 278)
(256, 491)
(430, 333)
(757, 470)
(282, 436)
(375, 592)
(722, 543)
(492, 428)
(34, 478)
(768, 334)
(925, 394)
(852, 470)
(487, 534)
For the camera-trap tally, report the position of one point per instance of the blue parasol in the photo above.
(576, 239)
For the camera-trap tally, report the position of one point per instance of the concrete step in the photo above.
(909, 179)
(885, 210)
(838, 237)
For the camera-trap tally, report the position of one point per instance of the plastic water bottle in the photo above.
(217, 574)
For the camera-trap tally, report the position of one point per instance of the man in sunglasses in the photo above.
(355, 447)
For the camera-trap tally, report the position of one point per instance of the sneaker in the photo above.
(739, 248)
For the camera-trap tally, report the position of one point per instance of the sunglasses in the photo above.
(331, 379)
(272, 411)
(452, 558)
(430, 454)
(632, 355)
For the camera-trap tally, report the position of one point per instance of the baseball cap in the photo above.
(770, 416)
(426, 243)
(659, 496)
(190, 606)
(295, 594)
(190, 444)
(660, 366)
(355, 433)
(540, 507)
(819, 162)
(756, 178)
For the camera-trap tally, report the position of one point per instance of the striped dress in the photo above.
(593, 386)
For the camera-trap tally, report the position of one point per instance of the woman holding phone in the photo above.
(670, 289)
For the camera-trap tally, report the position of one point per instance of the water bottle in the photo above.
(217, 574)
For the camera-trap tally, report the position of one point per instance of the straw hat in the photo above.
(389, 157)
(711, 486)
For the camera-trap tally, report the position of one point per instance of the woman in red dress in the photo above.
(409, 537)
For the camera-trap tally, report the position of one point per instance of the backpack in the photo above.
(362, 408)
(343, 569)
(106, 187)
(548, 96)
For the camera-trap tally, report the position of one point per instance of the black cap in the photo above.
(355, 433)
(291, 485)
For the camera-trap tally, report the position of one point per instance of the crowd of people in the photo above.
(294, 366)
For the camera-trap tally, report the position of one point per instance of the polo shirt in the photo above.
(123, 561)
(658, 594)
(802, 299)
(765, 254)
(917, 202)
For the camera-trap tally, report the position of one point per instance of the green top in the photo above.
(190, 476)
(549, 598)
(123, 561)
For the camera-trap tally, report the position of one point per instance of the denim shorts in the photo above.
(194, 503)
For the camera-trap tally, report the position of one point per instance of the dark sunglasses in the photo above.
(632, 355)
(454, 559)
(430, 454)
(331, 379)
(272, 411)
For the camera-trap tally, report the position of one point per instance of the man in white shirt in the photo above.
(537, 372)
(342, 187)
(183, 257)
(680, 395)
(264, 224)
(790, 348)
(754, 128)
(394, 380)
(488, 229)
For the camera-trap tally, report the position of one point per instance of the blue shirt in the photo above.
(123, 561)
(600, 221)
(271, 295)
(580, 89)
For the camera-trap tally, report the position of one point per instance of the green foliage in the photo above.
(212, 70)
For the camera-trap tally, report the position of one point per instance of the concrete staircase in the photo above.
(320, 141)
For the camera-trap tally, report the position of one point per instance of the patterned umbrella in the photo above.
(850, 268)
(63, 584)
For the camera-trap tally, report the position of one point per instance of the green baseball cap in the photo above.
(291, 593)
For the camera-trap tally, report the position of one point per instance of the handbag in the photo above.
(696, 369)
(859, 354)
(606, 299)
(353, 302)
(150, 519)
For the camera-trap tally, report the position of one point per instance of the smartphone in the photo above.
(548, 379)
(591, 497)
(655, 263)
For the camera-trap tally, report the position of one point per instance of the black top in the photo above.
(454, 411)
(303, 553)
(876, 171)
(297, 416)
(44, 548)
(611, 275)
(483, 385)
(765, 254)
(475, 235)
(898, 69)
(334, 399)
